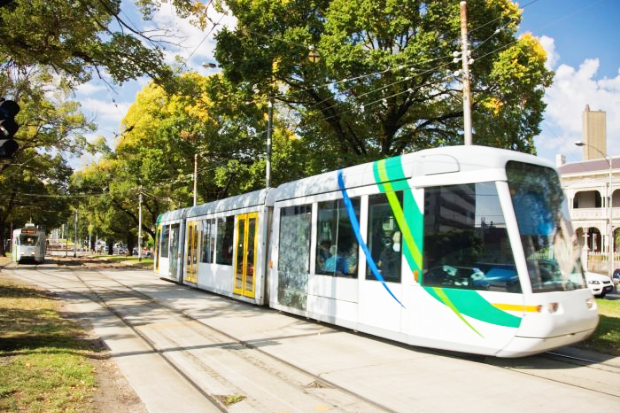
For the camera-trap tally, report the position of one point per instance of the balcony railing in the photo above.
(594, 214)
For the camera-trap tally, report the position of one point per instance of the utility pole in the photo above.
(269, 127)
(140, 221)
(75, 236)
(195, 178)
(466, 86)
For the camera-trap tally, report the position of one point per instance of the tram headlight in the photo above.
(590, 303)
(549, 308)
(553, 307)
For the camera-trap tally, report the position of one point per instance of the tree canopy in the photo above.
(34, 184)
(204, 116)
(385, 82)
(76, 39)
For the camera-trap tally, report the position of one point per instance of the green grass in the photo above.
(606, 338)
(44, 360)
(133, 259)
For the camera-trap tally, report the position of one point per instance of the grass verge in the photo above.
(44, 358)
(133, 260)
(606, 337)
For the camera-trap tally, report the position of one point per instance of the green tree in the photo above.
(79, 38)
(385, 82)
(110, 204)
(34, 184)
(163, 133)
(207, 116)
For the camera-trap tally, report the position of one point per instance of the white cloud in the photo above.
(195, 45)
(90, 88)
(566, 100)
(548, 44)
(97, 98)
(106, 114)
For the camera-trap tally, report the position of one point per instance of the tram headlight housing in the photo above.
(548, 308)
(590, 303)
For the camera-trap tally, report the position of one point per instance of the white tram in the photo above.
(29, 244)
(460, 248)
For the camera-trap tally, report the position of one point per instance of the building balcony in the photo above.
(593, 214)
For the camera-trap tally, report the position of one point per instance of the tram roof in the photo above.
(436, 161)
(248, 200)
(173, 215)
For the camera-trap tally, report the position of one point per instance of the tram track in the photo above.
(109, 288)
(580, 372)
(584, 361)
(179, 354)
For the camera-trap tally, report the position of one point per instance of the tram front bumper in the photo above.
(572, 318)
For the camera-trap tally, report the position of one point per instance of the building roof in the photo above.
(589, 166)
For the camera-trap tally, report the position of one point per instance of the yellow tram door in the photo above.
(245, 254)
(191, 257)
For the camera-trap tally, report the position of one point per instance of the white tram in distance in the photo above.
(464, 248)
(29, 244)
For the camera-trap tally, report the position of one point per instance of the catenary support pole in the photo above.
(466, 86)
(140, 224)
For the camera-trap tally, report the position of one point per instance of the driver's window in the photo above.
(466, 243)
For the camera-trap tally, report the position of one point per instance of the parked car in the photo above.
(616, 277)
(599, 284)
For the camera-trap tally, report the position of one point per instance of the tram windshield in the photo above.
(550, 245)
(28, 240)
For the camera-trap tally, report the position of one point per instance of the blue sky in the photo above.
(582, 42)
(581, 38)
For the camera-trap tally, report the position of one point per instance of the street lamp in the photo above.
(610, 248)
(313, 55)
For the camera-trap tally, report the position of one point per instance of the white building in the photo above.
(588, 186)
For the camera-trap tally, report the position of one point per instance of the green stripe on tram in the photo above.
(390, 177)
(472, 304)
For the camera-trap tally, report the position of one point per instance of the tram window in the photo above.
(466, 243)
(337, 247)
(224, 245)
(28, 241)
(208, 241)
(158, 240)
(165, 241)
(294, 255)
(550, 245)
(384, 236)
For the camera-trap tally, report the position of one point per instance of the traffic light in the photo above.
(8, 128)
